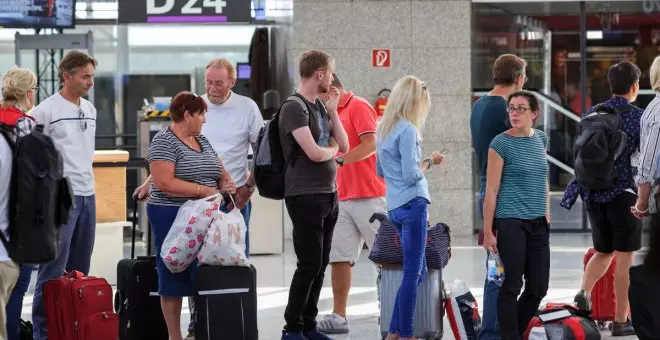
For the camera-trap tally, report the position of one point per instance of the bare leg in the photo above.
(392, 336)
(596, 268)
(621, 285)
(171, 306)
(341, 285)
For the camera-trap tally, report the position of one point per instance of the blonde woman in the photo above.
(19, 89)
(399, 162)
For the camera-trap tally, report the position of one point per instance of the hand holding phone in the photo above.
(437, 157)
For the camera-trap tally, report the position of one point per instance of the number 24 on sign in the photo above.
(190, 7)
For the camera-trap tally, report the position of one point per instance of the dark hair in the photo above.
(72, 60)
(531, 99)
(507, 68)
(336, 82)
(186, 101)
(313, 61)
(623, 76)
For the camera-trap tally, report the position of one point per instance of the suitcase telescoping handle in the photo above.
(135, 222)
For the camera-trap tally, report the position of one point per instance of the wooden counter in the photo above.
(110, 183)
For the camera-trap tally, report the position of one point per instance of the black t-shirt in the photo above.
(305, 176)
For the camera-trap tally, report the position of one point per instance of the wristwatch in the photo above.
(340, 160)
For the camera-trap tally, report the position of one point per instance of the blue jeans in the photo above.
(75, 253)
(490, 326)
(410, 222)
(15, 304)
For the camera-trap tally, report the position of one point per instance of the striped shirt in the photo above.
(523, 187)
(649, 151)
(189, 165)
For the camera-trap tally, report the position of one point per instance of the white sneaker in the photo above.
(332, 324)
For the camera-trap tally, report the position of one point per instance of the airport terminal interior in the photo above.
(147, 54)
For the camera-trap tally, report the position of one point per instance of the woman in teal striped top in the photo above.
(516, 214)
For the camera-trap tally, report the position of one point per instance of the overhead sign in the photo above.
(380, 57)
(183, 11)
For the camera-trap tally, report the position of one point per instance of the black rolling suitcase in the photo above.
(137, 302)
(226, 303)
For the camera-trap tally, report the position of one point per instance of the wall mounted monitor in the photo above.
(37, 13)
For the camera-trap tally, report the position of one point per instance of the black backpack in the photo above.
(269, 164)
(600, 141)
(39, 200)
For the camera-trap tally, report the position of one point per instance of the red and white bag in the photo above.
(463, 312)
(224, 244)
(186, 235)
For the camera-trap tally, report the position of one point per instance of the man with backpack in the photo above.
(310, 135)
(606, 140)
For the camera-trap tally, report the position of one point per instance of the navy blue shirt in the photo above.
(488, 119)
(630, 121)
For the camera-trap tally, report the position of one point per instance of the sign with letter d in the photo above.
(380, 57)
(183, 11)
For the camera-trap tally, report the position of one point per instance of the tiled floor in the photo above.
(275, 272)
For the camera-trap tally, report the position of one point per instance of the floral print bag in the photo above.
(186, 235)
(224, 244)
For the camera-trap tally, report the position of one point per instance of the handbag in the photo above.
(225, 240)
(387, 246)
(186, 234)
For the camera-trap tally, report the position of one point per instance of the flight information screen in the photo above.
(37, 13)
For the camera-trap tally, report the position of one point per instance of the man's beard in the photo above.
(324, 88)
(218, 98)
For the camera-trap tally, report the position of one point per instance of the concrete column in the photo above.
(429, 39)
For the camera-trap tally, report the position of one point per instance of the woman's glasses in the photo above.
(519, 109)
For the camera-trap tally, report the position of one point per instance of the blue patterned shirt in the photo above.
(630, 124)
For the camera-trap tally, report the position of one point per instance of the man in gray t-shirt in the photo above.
(315, 134)
(306, 176)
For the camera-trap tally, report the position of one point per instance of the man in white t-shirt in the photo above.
(8, 269)
(70, 121)
(232, 126)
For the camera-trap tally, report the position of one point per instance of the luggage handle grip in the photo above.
(135, 222)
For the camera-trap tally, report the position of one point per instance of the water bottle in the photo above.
(495, 269)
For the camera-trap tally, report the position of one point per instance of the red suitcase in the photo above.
(603, 298)
(80, 308)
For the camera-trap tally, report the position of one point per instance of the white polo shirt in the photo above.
(231, 127)
(73, 129)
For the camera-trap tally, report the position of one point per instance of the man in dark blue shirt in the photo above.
(489, 118)
(614, 228)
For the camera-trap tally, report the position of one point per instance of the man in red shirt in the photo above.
(361, 193)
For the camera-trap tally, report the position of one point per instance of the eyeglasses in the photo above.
(217, 84)
(35, 89)
(519, 109)
(83, 119)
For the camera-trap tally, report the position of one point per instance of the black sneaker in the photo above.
(623, 329)
(582, 301)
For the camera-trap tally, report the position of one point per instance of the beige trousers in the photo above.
(8, 277)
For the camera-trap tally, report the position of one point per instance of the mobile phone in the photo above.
(444, 152)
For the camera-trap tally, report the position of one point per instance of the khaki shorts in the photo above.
(353, 228)
(8, 277)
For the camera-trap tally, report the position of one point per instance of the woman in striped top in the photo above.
(516, 214)
(184, 166)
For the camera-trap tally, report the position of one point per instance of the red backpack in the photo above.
(564, 321)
